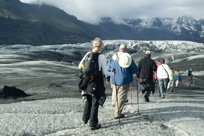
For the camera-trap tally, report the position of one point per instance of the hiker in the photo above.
(146, 67)
(155, 79)
(90, 112)
(189, 76)
(177, 77)
(170, 86)
(124, 67)
(163, 72)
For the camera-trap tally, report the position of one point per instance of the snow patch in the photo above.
(198, 73)
(189, 58)
(195, 57)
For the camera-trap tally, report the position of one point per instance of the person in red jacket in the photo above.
(155, 72)
(155, 80)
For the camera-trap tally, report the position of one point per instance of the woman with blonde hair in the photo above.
(92, 100)
(97, 45)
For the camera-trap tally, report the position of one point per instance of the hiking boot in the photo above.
(121, 116)
(163, 96)
(98, 126)
(126, 101)
(85, 121)
(146, 99)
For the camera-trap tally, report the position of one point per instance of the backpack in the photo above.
(91, 67)
(188, 73)
(90, 70)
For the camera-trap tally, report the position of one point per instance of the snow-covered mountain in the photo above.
(45, 24)
(67, 52)
(134, 46)
(182, 26)
(157, 46)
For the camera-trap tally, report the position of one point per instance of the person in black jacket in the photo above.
(146, 67)
(93, 100)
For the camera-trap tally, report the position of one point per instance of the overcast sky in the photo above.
(92, 10)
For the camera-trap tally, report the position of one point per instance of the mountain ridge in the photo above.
(46, 24)
(22, 23)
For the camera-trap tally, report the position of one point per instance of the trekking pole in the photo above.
(118, 111)
(131, 93)
(137, 88)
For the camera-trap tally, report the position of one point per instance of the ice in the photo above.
(61, 117)
(198, 73)
(55, 106)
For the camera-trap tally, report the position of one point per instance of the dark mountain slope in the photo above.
(34, 24)
(22, 23)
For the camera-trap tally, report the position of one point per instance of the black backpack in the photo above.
(190, 73)
(91, 67)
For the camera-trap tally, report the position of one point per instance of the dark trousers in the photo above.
(147, 86)
(91, 110)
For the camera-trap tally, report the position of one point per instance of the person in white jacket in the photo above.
(163, 75)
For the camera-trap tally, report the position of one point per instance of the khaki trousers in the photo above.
(119, 96)
(170, 85)
(177, 83)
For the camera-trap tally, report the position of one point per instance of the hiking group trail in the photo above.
(180, 113)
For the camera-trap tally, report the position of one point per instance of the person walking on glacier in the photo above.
(177, 77)
(92, 100)
(124, 67)
(189, 75)
(170, 86)
(163, 75)
(146, 67)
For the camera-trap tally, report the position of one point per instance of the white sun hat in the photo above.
(148, 52)
(124, 60)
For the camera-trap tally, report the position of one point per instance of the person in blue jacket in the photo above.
(124, 67)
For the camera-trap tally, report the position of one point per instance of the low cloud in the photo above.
(92, 11)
